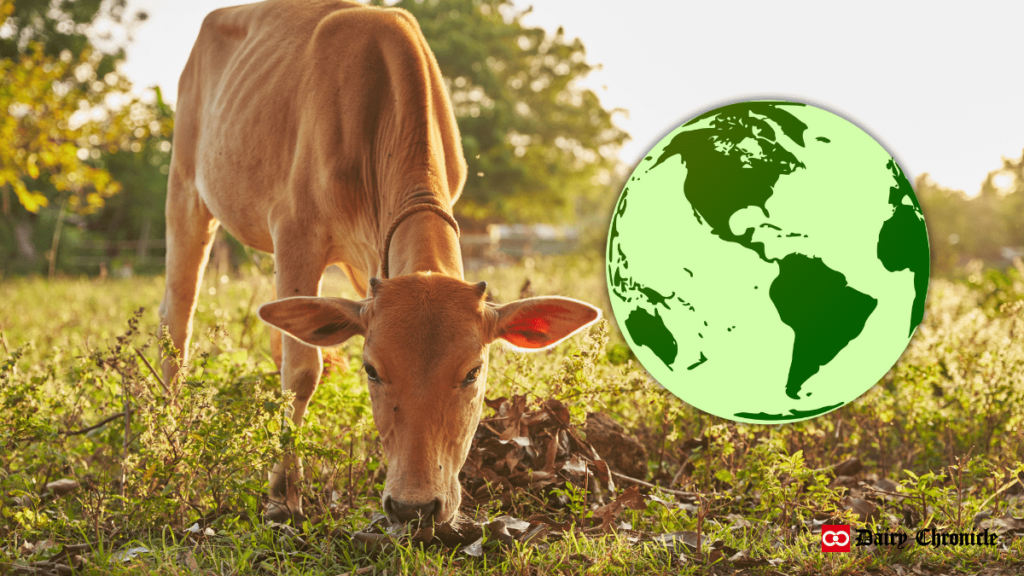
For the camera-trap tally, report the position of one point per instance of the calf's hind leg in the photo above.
(190, 232)
(299, 273)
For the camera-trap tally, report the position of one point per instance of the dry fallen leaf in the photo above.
(189, 560)
(62, 487)
(849, 467)
(129, 554)
(476, 549)
(496, 531)
(514, 525)
(630, 498)
(534, 534)
(866, 511)
(742, 559)
(686, 540)
(1003, 525)
(738, 522)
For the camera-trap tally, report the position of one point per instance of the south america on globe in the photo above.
(768, 261)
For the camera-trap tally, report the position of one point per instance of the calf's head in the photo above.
(425, 353)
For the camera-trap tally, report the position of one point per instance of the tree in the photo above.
(141, 167)
(46, 135)
(1006, 187)
(67, 25)
(67, 109)
(982, 227)
(949, 230)
(536, 142)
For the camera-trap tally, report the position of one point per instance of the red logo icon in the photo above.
(835, 538)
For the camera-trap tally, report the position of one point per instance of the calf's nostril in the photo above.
(408, 511)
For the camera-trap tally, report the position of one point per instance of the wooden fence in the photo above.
(94, 253)
(501, 244)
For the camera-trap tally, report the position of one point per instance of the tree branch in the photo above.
(100, 424)
(649, 485)
(153, 372)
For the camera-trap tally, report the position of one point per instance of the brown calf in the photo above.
(320, 131)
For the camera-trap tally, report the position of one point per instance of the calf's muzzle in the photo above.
(398, 511)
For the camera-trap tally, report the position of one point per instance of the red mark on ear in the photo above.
(532, 328)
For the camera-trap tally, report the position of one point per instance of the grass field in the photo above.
(177, 487)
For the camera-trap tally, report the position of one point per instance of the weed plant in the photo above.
(179, 470)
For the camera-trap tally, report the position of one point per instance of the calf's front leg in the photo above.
(299, 273)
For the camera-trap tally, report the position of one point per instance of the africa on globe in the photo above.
(768, 261)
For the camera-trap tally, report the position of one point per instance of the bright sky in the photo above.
(939, 87)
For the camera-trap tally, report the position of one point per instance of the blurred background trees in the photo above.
(84, 158)
(540, 147)
(987, 227)
(81, 158)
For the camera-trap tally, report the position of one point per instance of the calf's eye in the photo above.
(472, 376)
(371, 373)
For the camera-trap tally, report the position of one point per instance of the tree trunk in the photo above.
(52, 254)
(23, 235)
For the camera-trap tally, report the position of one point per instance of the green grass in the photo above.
(944, 425)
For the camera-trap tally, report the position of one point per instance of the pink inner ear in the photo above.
(532, 328)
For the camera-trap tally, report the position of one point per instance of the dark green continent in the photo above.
(775, 111)
(702, 360)
(654, 297)
(824, 312)
(793, 414)
(721, 178)
(650, 331)
(903, 241)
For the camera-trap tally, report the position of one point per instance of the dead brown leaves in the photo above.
(532, 463)
(531, 451)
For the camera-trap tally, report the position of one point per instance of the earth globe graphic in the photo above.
(768, 261)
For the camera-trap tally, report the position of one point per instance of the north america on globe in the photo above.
(768, 261)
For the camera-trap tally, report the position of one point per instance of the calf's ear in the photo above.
(536, 323)
(315, 321)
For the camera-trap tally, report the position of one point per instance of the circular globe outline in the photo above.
(656, 298)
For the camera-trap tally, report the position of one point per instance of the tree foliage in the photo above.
(47, 133)
(989, 226)
(537, 143)
(67, 25)
(65, 104)
(72, 133)
(539, 146)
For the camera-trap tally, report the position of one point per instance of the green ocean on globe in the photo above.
(768, 262)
